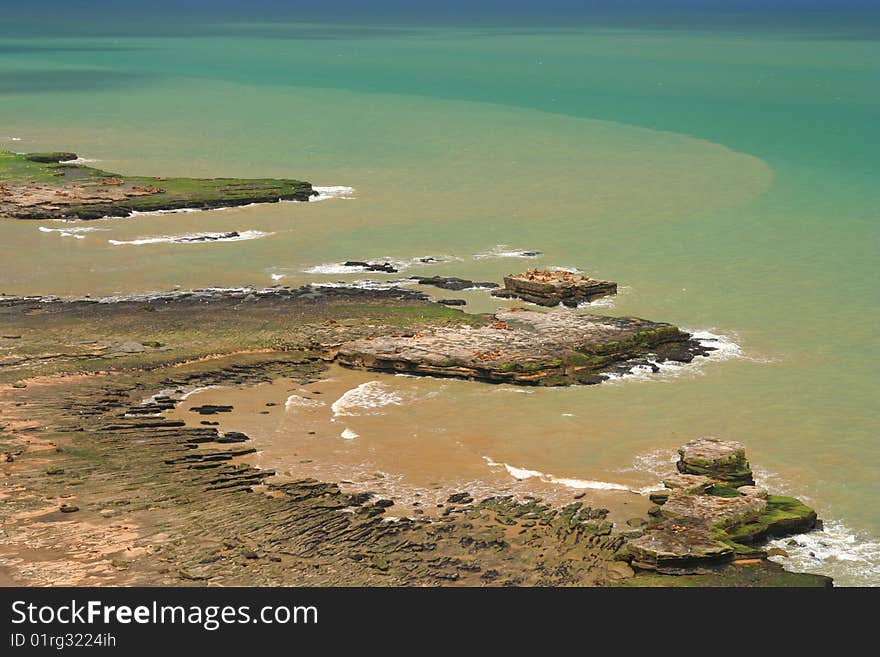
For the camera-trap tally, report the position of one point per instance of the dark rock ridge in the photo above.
(213, 237)
(453, 283)
(522, 346)
(551, 288)
(50, 186)
(202, 296)
(386, 267)
(715, 515)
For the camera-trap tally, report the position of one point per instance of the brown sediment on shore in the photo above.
(103, 487)
(159, 503)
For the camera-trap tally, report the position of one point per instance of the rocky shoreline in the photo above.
(527, 347)
(713, 513)
(93, 461)
(517, 345)
(90, 456)
(55, 186)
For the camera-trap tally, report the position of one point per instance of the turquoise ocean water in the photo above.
(724, 171)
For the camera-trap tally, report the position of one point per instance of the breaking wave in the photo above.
(723, 349)
(503, 251)
(369, 395)
(78, 232)
(836, 550)
(361, 285)
(298, 401)
(579, 484)
(195, 238)
(338, 191)
(336, 268)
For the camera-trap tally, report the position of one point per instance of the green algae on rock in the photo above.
(55, 186)
(713, 512)
(526, 347)
(724, 460)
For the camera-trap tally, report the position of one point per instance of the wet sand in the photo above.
(416, 440)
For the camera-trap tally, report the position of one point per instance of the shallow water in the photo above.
(726, 180)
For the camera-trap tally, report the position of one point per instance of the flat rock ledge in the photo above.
(724, 460)
(526, 347)
(712, 513)
(551, 288)
(56, 186)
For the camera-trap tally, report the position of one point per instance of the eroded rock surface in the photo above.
(713, 512)
(521, 346)
(551, 288)
(724, 460)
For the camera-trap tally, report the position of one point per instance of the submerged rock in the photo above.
(453, 283)
(386, 267)
(551, 288)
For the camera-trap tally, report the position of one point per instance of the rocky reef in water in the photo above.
(526, 347)
(551, 288)
(711, 513)
(55, 186)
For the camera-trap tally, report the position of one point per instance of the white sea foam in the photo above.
(400, 264)
(81, 160)
(136, 213)
(607, 301)
(504, 251)
(15, 139)
(601, 302)
(511, 389)
(362, 284)
(78, 232)
(658, 462)
(348, 434)
(196, 391)
(338, 191)
(850, 558)
(194, 238)
(522, 474)
(723, 349)
(297, 401)
(333, 268)
(369, 395)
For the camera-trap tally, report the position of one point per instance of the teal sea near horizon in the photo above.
(727, 178)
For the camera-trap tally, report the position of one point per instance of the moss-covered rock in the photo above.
(724, 460)
(50, 186)
(782, 516)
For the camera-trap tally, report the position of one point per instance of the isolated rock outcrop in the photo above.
(525, 347)
(551, 288)
(713, 512)
(724, 460)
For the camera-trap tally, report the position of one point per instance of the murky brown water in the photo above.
(397, 436)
